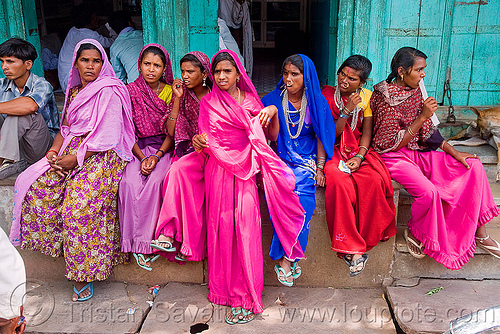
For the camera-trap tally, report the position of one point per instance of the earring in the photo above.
(237, 79)
(204, 82)
(402, 79)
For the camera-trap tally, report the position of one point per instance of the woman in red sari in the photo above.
(359, 197)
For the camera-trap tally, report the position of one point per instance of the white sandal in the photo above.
(489, 249)
(414, 243)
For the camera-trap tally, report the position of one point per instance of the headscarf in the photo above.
(187, 121)
(12, 279)
(101, 113)
(321, 116)
(394, 109)
(148, 109)
(240, 146)
(106, 125)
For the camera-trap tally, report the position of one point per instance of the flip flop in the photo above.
(178, 258)
(156, 244)
(346, 260)
(237, 313)
(294, 268)
(355, 263)
(80, 299)
(143, 266)
(280, 271)
(414, 243)
(489, 249)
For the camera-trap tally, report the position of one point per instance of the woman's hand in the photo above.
(200, 142)
(62, 164)
(352, 101)
(320, 178)
(177, 88)
(149, 164)
(462, 156)
(354, 163)
(429, 107)
(266, 114)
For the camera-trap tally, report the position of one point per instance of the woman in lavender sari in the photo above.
(140, 189)
(65, 205)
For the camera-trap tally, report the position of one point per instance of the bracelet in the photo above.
(143, 159)
(410, 131)
(361, 146)
(49, 152)
(171, 118)
(442, 145)
(154, 155)
(343, 114)
(162, 152)
(360, 156)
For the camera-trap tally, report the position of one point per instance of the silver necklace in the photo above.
(340, 104)
(158, 88)
(302, 114)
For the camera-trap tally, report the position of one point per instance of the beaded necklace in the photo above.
(301, 111)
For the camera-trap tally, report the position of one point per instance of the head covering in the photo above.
(101, 111)
(12, 279)
(148, 109)
(240, 146)
(187, 121)
(317, 105)
(394, 109)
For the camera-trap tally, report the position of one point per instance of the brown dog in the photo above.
(488, 125)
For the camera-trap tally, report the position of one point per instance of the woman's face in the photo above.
(192, 75)
(152, 68)
(415, 73)
(89, 65)
(293, 79)
(225, 75)
(348, 80)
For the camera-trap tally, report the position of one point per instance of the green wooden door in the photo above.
(181, 26)
(18, 19)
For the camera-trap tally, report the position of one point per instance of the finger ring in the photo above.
(475, 156)
(177, 86)
(55, 163)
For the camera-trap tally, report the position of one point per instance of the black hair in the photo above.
(19, 48)
(86, 46)
(221, 57)
(295, 60)
(405, 58)
(358, 63)
(156, 51)
(196, 62)
(120, 20)
(81, 15)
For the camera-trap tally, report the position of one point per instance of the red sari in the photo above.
(360, 209)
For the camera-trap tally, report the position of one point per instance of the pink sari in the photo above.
(225, 185)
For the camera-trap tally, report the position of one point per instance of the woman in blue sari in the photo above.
(304, 117)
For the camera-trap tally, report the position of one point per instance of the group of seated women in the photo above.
(172, 167)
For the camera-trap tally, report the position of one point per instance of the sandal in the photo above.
(145, 260)
(157, 244)
(347, 259)
(236, 315)
(280, 272)
(356, 263)
(78, 292)
(410, 240)
(489, 249)
(296, 269)
(179, 258)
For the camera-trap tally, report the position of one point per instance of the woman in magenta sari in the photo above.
(140, 197)
(453, 199)
(65, 205)
(230, 151)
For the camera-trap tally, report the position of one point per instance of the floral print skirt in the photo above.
(76, 216)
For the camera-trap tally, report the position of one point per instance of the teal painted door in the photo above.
(464, 35)
(181, 26)
(18, 19)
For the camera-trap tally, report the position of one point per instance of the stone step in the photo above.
(416, 312)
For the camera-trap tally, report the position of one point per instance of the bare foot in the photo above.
(162, 238)
(84, 293)
(359, 267)
(287, 266)
(234, 314)
(413, 245)
(488, 241)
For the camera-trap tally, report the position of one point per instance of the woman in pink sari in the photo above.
(140, 197)
(65, 205)
(230, 151)
(453, 199)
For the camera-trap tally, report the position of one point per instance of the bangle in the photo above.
(154, 155)
(171, 118)
(442, 145)
(344, 114)
(361, 146)
(49, 152)
(143, 159)
(360, 156)
(410, 131)
(162, 152)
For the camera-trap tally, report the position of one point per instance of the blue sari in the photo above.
(300, 154)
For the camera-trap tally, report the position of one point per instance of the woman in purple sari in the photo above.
(65, 205)
(140, 197)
